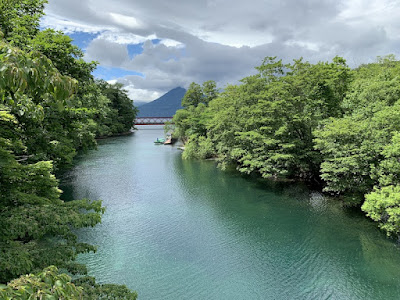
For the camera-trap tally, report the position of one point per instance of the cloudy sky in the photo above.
(152, 46)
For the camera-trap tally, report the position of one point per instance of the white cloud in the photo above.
(141, 94)
(69, 26)
(126, 21)
(224, 40)
(109, 54)
(372, 13)
(303, 44)
(124, 37)
(171, 43)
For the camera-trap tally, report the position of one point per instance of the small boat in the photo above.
(159, 141)
(170, 140)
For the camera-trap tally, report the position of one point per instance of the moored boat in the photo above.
(170, 140)
(159, 141)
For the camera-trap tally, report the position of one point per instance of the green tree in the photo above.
(50, 107)
(37, 228)
(197, 94)
(210, 91)
(122, 112)
(50, 284)
(19, 20)
(354, 146)
(45, 285)
(193, 95)
(66, 57)
(383, 206)
(321, 122)
(191, 121)
(266, 124)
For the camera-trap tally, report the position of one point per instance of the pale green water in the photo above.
(178, 229)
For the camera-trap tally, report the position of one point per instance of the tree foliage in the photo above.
(320, 122)
(50, 284)
(50, 108)
(36, 226)
(19, 20)
(45, 285)
(383, 205)
(265, 124)
(197, 94)
(122, 112)
(66, 57)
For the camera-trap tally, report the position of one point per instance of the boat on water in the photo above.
(170, 140)
(159, 141)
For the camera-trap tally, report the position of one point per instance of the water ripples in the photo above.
(178, 229)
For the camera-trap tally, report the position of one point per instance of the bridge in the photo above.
(152, 120)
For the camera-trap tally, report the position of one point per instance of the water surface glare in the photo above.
(177, 229)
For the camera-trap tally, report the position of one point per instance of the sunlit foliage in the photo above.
(323, 123)
(50, 108)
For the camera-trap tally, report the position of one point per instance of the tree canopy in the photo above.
(51, 107)
(50, 284)
(323, 123)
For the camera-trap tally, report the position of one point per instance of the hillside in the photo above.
(165, 106)
(138, 103)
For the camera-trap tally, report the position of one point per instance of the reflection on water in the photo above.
(179, 229)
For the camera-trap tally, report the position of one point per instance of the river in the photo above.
(183, 229)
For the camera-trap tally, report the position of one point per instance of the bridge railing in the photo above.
(152, 120)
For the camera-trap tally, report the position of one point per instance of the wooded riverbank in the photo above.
(319, 122)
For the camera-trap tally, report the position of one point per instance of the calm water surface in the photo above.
(178, 229)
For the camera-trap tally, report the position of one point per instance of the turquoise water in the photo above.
(178, 229)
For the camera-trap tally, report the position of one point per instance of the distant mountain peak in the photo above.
(165, 106)
(177, 89)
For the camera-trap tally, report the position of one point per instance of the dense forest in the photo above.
(323, 123)
(51, 107)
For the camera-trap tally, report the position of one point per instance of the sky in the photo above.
(153, 46)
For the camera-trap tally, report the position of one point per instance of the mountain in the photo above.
(165, 106)
(138, 103)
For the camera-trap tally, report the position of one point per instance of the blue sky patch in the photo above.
(113, 73)
(135, 49)
(83, 39)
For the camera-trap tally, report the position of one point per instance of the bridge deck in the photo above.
(152, 120)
